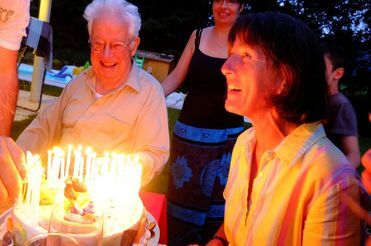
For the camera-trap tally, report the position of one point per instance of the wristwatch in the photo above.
(222, 239)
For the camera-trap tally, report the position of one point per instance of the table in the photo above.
(155, 203)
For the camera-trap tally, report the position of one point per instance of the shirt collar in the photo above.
(132, 79)
(299, 141)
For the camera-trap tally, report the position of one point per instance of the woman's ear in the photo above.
(282, 87)
(281, 78)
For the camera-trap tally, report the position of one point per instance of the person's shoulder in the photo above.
(194, 33)
(202, 30)
(329, 172)
(340, 99)
(341, 104)
(148, 80)
(326, 162)
(207, 29)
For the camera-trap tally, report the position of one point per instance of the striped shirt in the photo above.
(296, 194)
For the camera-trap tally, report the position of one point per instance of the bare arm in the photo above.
(177, 76)
(350, 148)
(8, 89)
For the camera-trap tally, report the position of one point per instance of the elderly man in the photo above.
(113, 106)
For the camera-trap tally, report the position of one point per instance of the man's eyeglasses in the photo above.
(227, 2)
(115, 47)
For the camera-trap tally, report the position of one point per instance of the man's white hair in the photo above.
(127, 10)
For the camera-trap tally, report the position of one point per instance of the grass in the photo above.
(47, 89)
(159, 183)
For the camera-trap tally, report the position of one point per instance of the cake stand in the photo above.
(152, 241)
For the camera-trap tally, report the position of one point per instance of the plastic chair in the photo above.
(65, 72)
(40, 38)
(139, 60)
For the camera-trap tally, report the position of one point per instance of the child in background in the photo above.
(341, 125)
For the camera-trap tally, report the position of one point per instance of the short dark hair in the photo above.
(294, 49)
(336, 53)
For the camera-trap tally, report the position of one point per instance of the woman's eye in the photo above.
(246, 56)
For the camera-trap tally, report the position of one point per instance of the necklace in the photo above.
(220, 50)
(220, 47)
(220, 40)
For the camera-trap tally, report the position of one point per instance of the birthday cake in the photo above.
(96, 200)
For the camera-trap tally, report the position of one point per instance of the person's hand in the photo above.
(144, 238)
(366, 160)
(12, 169)
(366, 174)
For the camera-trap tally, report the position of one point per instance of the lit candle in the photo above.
(48, 170)
(89, 158)
(81, 164)
(68, 160)
(62, 166)
(76, 164)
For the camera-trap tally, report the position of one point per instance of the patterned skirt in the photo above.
(199, 165)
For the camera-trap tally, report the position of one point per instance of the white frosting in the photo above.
(28, 223)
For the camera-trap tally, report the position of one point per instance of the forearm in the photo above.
(170, 84)
(221, 232)
(8, 89)
(178, 75)
(219, 238)
(350, 147)
(8, 101)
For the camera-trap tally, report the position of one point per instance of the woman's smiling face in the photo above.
(226, 11)
(250, 79)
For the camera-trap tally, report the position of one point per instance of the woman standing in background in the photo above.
(205, 132)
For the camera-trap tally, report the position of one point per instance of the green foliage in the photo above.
(166, 25)
(57, 64)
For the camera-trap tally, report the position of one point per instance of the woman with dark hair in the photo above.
(286, 178)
